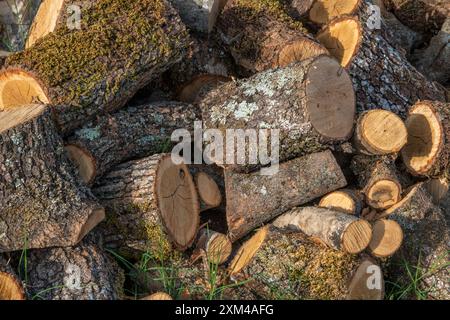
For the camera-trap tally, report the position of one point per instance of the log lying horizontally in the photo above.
(83, 272)
(311, 104)
(382, 77)
(253, 199)
(151, 203)
(427, 152)
(43, 202)
(336, 229)
(134, 132)
(279, 264)
(84, 72)
(10, 285)
(262, 36)
(425, 244)
(345, 200)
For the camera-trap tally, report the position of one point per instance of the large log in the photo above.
(43, 202)
(83, 272)
(425, 249)
(11, 287)
(151, 204)
(262, 36)
(253, 199)
(382, 77)
(135, 132)
(84, 72)
(279, 264)
(427, 152)
(198, 15)
(311, 104)
(336, 229)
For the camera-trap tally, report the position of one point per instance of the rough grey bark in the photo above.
(135, 132)
(43, 202)
(253, 199)
(83, 272)
(198, 15)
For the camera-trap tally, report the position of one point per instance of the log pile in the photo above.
(291, 150)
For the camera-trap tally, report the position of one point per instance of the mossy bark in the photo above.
(84, 72)
(82, 272)
(253, 199)
(258, 31)
(131, 133)
(43, 202)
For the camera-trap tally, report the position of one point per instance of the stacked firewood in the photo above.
(364, 149)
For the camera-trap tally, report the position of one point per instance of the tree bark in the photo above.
(262, 36)
(131, 133)
(307, 270)
(198, 15)
(83, 272)
(100, 75)
(43, 203)
(382, 77)
(10, 285)
(142, 214)
(288, 101)
(425, 246)
(253, 199)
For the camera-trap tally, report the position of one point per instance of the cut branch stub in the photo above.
(131, 133)
(387, 237)
(427, 152)
(10, 285)
(101, 75)
(152, 203)
(216, 245)
(208, 191)
(43, 202)
(380, 132)
(345, 200)
(338, 230)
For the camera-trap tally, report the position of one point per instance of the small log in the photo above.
(262, 36)
(438, 188)
(425, 246)
(158, 296)
(10, 285)
(43, 203)
(135, 132)
(83, 272)
(345, 200)
(216, 245)
(387, 237)
(198, 15)
(290, 100)
(380, 132)
(338, 230)
(208, 191)
(253, 199)
(427, 152)
(277, 264)
(151, 203)
(82, 73)
(378, 179)
(382, 77)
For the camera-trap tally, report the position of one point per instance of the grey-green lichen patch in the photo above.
(91, 134)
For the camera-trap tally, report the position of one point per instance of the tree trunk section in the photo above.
(43, 203)
(253, 199)
(289, 102)
(10, 285)
(100, 75)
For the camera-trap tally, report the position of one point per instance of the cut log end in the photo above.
(177, 201)
(359, 288)
(248, 250)
(208, 190)
(342, 38)
(438, 189)
(425, 139)
(17, 88)
(331, 101)
(383, 194)
(83, 161)
(387, 238)
(323, 11)
(357, 236)
(298, 51)
(339, 201)
(97, 216)
(44, 21)
(15, 117)
(381, 132)
(158, 296)
(217, 246)
(193, 91)
(10, 288)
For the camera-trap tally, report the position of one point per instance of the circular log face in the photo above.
(323, 11)
(177, 202)
(357, 236)
(359, 285)
(387, 238)
(298, 51)
(18, 88)
(425, 139)
(383, 194)
(208, 189)
(330, 99)
(10, 289)
(339, 201)
(83, 161)
(219, 248)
